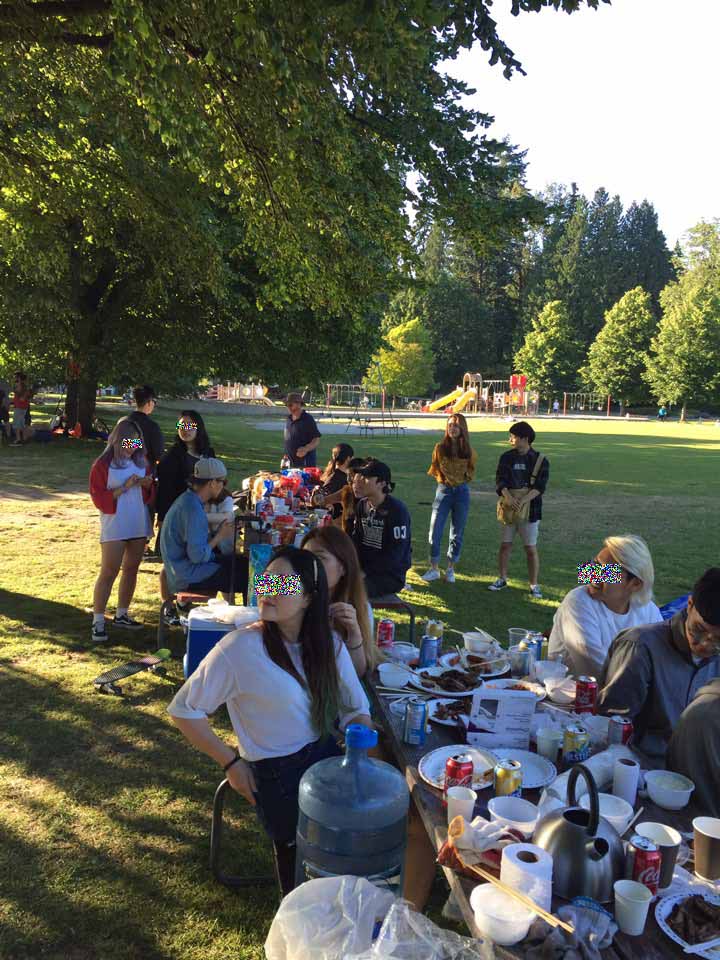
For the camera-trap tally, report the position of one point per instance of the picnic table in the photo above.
(653, 945)
(383, 422)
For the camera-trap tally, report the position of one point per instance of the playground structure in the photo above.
(243, 393)
(586, 403)
(467, 397)
(352, 395)
(502, 397)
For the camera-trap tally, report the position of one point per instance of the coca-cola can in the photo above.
(586, 694)
(458, 772)
(620, 730)
(385, 636)
(642, 862)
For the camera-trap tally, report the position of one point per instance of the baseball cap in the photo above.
(295, 398)
(209, 468)
(376, 468)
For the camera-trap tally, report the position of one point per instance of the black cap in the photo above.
(376, 468)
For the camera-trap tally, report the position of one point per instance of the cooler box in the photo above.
(205, 630)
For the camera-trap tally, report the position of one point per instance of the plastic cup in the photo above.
(548, 742)
(707, 847)
(461, 803)
(516, 634)
(668, 842)
(632, 902)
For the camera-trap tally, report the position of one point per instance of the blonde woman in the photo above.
(350, 613)
(121, 487)
(619, 595)
(453, 466)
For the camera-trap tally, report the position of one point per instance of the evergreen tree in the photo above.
(550, 355)
(618, 355)
(648, 262)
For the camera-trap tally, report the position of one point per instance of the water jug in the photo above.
(353, 816)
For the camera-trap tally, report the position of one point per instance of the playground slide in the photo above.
(444, 401)
(463, 401)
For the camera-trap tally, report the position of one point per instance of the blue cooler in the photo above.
(204, 631)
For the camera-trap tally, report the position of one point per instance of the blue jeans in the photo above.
(455, 502)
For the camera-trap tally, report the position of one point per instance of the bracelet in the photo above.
(234, 760)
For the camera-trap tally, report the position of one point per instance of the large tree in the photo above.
(301, 122)
(550, 354)
(618, 355)
(404, 365)
(684, 363)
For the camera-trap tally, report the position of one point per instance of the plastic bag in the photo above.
(408, 935)
(327, 919)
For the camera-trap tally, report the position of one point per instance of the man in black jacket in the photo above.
(515, 483)
(153, 440)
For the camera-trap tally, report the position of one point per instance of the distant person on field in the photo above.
(520, 480)
(654, 672)
(662, 413)
(121, 487)
(618, 597)
(453, 466)
(556, 407)
(22, 395)
(302, 436)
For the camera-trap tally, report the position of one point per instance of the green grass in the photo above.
(104, 809)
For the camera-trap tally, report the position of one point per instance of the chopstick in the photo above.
(521, 898)
(409, 693)
(634, 819)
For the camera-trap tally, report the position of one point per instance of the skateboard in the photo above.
(107, 682)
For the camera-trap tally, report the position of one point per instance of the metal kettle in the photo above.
(588, 855)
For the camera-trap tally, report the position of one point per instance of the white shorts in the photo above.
(528, 532)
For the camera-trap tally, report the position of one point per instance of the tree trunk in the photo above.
(683, 412)
(71, 403)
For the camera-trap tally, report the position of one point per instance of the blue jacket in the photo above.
(186, 552)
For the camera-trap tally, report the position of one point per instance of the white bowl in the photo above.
(561, 691)
(668, 790)
(550, 670)
(403, 652)
(478, 641)
(498, 916)
(519, 814)
(393, 675)
(615, 810)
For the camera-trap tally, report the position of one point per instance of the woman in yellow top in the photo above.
(453, 466)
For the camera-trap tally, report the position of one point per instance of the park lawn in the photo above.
(105, 811)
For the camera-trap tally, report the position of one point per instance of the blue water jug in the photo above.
(353, 816)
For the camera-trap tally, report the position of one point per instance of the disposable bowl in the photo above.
(668, 790)
(615, 810)
(499, 916)
(478, 642)
(519, 814)
(393, 675)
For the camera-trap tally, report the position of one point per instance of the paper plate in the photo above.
(536, 770)
(508, 683)
(665, 907)
(564, 694)
(438, 691)
(451, 660)
(432, 706)
(432, 766)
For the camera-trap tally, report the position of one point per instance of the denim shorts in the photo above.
(277, 781)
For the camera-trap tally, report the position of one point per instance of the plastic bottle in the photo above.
(353, 816)
(285, 463)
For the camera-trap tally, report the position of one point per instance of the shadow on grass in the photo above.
(49, 615)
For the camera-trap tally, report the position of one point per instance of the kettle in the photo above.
(588, 854)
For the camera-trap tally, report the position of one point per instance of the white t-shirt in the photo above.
(583, 630)
(131, 518)
(269, 710)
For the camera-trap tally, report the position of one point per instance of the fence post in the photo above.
(564, 404)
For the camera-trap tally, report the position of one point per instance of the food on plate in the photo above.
(452, 681)
(695, 920)
(450, 710)
(481, 778)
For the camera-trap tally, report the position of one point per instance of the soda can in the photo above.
(642, 862)
(415, 722)
(586, 694)
(522, 660)
(508, 778)
(385, 636)
(435, 628)
(458, 773)
(429, 647)
(620, 730)
(535, 641)
(576, 744)
(545, 649)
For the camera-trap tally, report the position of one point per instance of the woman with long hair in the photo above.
(453, 466)
(350, 611)
(286, 681)
(121, 487)
(334, 479)
(177, 465)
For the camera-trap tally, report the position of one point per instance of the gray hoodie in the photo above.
(650, 676)
(695, 748)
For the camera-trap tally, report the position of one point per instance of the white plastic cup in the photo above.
(632, 902)
(516, 635)
(548, 742)
(461, 803)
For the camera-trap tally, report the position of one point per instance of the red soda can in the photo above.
(642, 862)
(458, 773)
(385, 636)
(620, 730)
(586, 694)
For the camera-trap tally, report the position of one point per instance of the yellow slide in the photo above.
(444, 401)
(463, 401)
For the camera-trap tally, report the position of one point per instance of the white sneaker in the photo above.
(449, 575)
(499, 584)
(99, 633)
(432, 574)
(536, 592)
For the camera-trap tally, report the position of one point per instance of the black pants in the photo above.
(221, 579)
(381, 584)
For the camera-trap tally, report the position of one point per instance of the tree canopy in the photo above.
(405, 363)
(550, 354)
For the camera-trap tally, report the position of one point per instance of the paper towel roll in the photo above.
(528, 868)
(625, 779)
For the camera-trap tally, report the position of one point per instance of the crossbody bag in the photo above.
(508, 514)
